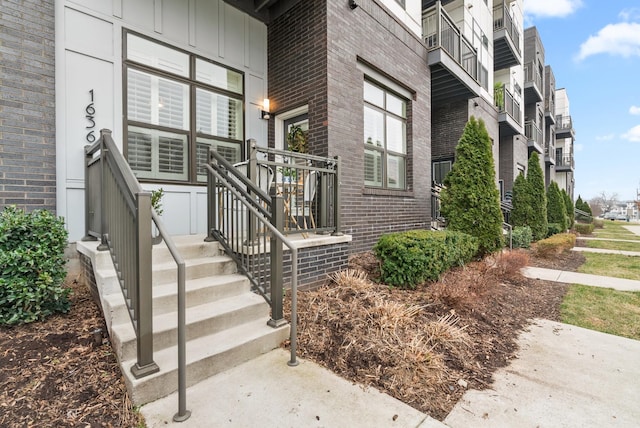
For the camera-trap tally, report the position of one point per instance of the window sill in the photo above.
(387, 192)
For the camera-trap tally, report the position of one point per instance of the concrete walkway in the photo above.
(564, 376)
(606, 251)
(581, 278)
(266, 393)
(634, 229)
(587, 238)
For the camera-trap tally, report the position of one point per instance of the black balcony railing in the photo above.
(565, 161)
(532, 75)
(533, 132)
(441, 32)
(502, 19)
(563, 122)
(506, 103)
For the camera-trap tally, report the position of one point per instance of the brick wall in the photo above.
(27, 109)
(449, 120)
(313, 59)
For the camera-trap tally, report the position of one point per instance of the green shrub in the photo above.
(554, 229)
(32, 266)
(409, 258)
(569, 208)
(598, 223)
(584, 228)
(521, 237)
(555, 245)
(470, 199)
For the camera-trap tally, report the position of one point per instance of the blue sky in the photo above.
(593, 47)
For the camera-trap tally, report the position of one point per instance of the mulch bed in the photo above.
(55, 373)
(568, 261)
(58, 373)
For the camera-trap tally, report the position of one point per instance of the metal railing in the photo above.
(533, 132)
(506, 103)
(248, 223)
(502, 19)
(550, 106)
(582, 215)
(119, 213)
(532, 75)
(310, 186)
(437, 221)
(563, 122)
(441, 32)
(565, 160)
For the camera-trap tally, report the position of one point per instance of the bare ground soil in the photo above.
(424, 346)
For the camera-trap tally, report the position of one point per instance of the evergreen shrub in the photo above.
(555, 245)
(410, 258)
(32, 266)
(554, 229)
(556, 207)
(521, 237)
(584, 228)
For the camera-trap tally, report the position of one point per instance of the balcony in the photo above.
(509, 112)
(534, 136)
(506, 38)
(565, 163)
(532, 83)
(564, 127)
(549, 110)
(452, 59)
(549, 155)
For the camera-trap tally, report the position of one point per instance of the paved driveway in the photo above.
(564, 376)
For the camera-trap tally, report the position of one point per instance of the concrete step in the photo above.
(167, 272)
(188, 246)
(205, 356)
(201, 320)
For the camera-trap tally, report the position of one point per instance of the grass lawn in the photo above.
(611, 265)
(603, 309)
(614, 245)
(615, 235)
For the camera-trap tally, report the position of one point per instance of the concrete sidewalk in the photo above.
(588, 238)
(606, 251)
(265, 393)
(564, 376)
(581, 278)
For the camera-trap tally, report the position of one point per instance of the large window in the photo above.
(440, 171)
(385, 138)
(177, 107)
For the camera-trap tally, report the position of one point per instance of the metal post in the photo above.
(438, 24)
(294, 308)
(323, 201)
(212, 201)
(253, 175)
(183, 414)
(336, 198)
(143, 308)
(277, 262)
(87, 193)
(103, 170)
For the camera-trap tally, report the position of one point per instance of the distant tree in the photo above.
(535, 179)
(568, 203)
(606, 201)
(470, 199)
(556, 208)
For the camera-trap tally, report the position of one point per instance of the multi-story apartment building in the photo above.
(534, 85)
(565, 139)
(549, 125)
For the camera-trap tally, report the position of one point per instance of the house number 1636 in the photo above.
(91, 111)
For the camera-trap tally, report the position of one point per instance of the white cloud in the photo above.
(634, 110)
(608, 137)
(551, 8)
(631, 14)
(615, 39)
(633, 134)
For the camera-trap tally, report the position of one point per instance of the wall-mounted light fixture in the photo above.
(264, 113)
(353, 4)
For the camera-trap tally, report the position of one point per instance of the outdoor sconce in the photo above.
(264, 113)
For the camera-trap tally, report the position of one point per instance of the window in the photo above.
(164, 88)
(385, 138)
(440, 171)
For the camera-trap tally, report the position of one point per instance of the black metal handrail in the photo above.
(248, 224)
(532, 132)
(309, 184)
(441, 32)
(502, 19)
(532, 75)
(119, 213)
(508, 104)
(563, 121)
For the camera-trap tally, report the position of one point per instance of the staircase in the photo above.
(226, 323)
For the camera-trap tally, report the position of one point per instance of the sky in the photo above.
(593, 47)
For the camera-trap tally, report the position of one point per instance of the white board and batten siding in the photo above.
(89, 58)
